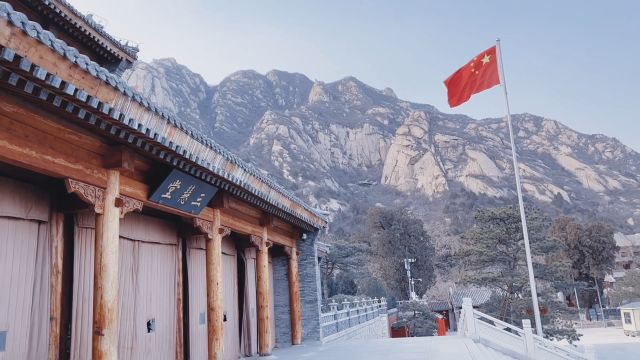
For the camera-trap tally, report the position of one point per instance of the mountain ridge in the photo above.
(323, 139)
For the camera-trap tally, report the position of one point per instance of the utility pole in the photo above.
(414, 296)
(407, 266)
(604, 322)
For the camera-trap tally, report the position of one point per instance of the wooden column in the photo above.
(215, 298)
(105, 276)
(294, 296)
(109, 207)
(55, 308)
(263, 287)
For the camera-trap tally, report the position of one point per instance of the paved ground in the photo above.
(425, 348)
(610, 343)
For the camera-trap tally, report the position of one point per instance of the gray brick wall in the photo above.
(310, 296)
(281, 301)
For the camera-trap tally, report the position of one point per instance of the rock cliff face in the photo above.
(341, 141)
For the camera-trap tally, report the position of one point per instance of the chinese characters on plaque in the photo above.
(184, 192)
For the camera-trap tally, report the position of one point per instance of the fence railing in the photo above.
(351, 314)
(520, 343)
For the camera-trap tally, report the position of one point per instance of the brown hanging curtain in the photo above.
(25, 260)
(250, 319)
(196, 268)
(272, 308)
(231, 326)
(147, 287)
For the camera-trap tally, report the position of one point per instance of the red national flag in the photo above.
(479, 74)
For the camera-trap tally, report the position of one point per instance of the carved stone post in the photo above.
(529, 343)
(333, 307)
(294, 296)
(469, 320)
(215, 298)
(109, 207)
(263, 279)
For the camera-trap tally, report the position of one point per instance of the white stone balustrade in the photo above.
(360, 314)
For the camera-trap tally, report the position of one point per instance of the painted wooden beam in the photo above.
(120, 158)
(105, 276)
(29, 138)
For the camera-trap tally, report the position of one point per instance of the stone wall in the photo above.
(281, 301)
(310, 296)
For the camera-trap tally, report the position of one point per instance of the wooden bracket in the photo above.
(256, 241)
(259, 243)
(90, 194)
(94, 195)
(204, 226)
(127, 205)
(224, 231)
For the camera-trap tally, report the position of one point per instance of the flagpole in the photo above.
(523, 218)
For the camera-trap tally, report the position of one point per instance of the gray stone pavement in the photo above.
(427, 348)
(610, 343)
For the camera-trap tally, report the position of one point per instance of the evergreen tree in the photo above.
(492, 255)
(592, 250)
(421, 320)
(627, 289)
(343, 283)
(343, 256)
(392, 235)
(599, 249)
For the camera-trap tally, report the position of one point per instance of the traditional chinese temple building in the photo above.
(123, 232)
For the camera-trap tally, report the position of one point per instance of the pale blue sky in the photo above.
(573, 61)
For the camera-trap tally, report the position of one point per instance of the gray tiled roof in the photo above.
(478, 296)
(439, 305)
(47, 38)
(633, 305)
(130, 50)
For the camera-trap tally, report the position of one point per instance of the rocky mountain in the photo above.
(344, 146)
